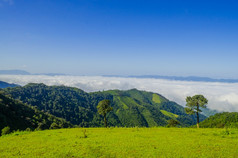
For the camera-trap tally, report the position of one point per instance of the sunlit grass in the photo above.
(122, 142)
(169, 114)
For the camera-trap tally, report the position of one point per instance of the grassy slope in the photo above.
(169, 114)
(136, 108)
(122, 142)
(158, 99)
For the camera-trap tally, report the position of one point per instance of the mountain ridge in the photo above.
(130, 107)
(188, 78)
(176, 78)
(14, 72)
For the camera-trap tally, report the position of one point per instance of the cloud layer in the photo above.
(221, 96)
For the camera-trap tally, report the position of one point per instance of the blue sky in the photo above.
(120, 37)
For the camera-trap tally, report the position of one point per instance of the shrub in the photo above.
(84, 133)
(54, 126)
(6, 130)
(172, 123)
(41, 126)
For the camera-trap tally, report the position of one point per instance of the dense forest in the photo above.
(130, 108)
(18, 115)
(221, 120)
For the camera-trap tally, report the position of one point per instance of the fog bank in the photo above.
(221, 96)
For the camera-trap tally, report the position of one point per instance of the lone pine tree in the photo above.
(193, 105)
(103, 108)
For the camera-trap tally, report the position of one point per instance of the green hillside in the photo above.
(121, 143)
(20, 116)
(169, 114)
(130, 108)
(221, 120)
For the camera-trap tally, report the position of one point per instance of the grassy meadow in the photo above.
(121, 142)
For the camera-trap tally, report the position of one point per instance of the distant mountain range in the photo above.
(189, 78)
(23, 72)
(179, 78)
(14, 72)
(176, 78)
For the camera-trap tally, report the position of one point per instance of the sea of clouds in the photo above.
(221, 96)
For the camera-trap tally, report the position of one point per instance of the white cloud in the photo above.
(221, 96)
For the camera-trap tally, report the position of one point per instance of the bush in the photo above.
(84, 133)
(234, 125)
(41, 126)
(28, 129)
(172, 123)
(54, 126)
(6, 130)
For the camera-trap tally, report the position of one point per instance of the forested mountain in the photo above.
(130, 108)
(221, 120)
(5, 85)
(20, 116)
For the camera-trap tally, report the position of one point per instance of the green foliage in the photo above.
(189, 111)
(194, 104)
(221, 120)
(19, 116)
(84, 133)
(6, 130)
(172, 123)
(54, 126)
(183, 117)
(71, 104)
(28, 129)
(130, 108)
(104, 108)
(156, 98)
(169, 114)
(122, 142)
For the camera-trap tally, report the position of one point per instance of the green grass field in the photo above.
(122, 142)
